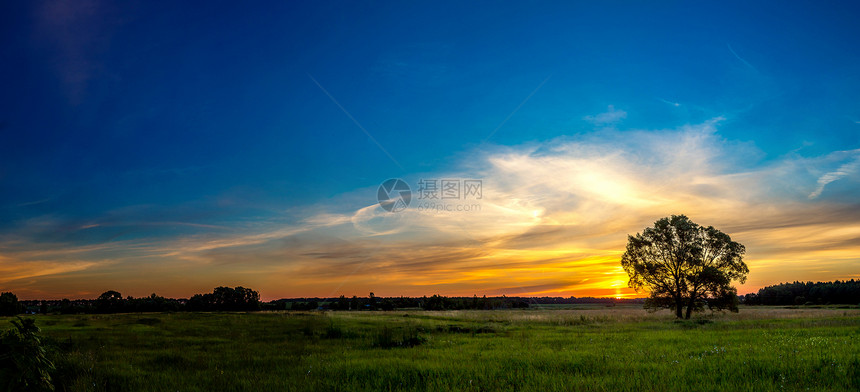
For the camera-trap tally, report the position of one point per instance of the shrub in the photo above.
(24, 363)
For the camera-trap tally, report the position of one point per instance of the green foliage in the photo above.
(24, 362)
(588, 349)
(683, 265)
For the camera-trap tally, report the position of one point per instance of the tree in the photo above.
(199, 302)
(683, 264)
(9, 305)
(109, 302)
(226, 298)
(372, 301)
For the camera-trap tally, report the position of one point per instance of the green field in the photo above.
(589, 348)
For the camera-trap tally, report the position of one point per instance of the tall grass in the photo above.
(619, 348)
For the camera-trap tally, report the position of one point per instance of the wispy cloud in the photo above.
(675, 104)
(554, 219)
(610, 117)
(844, 170)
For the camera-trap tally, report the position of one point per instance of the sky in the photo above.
(173, 147)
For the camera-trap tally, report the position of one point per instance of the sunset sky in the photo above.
(171, 148)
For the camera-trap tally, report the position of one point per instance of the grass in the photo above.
(593, 349)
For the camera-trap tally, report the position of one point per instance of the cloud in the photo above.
(844, 170)
(675, 104)
(566, 206)
(553, 220)
(610, 117)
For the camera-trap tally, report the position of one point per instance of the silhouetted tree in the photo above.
(9, 305)
(199, 302)
(683, 264)
(752, 299)
(225, 298)
(109, 302)
(372, 301)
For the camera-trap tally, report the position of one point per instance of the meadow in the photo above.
(579, 348)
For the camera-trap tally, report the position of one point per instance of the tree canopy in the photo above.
(110, 302)
(683, 265)
(807, 293)
(226, 298)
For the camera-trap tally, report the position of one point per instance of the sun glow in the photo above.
(550, 224)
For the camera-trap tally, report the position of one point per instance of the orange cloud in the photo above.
(553, 220)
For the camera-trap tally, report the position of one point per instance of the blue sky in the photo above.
(154, 123)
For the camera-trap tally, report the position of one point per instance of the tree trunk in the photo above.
(679, 307)
(690, 307)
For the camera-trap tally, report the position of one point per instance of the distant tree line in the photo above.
(807, 293)
(584, 300)
(245, 299)
(220, 299)
(437, 302)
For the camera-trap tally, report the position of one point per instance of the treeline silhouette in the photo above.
(435, 302)
(220, 299)
(438, 302)
(245, 299)
(845, 292)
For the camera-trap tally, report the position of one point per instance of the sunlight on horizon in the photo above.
(145, 151)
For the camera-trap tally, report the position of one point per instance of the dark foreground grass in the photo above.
(526, 350)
